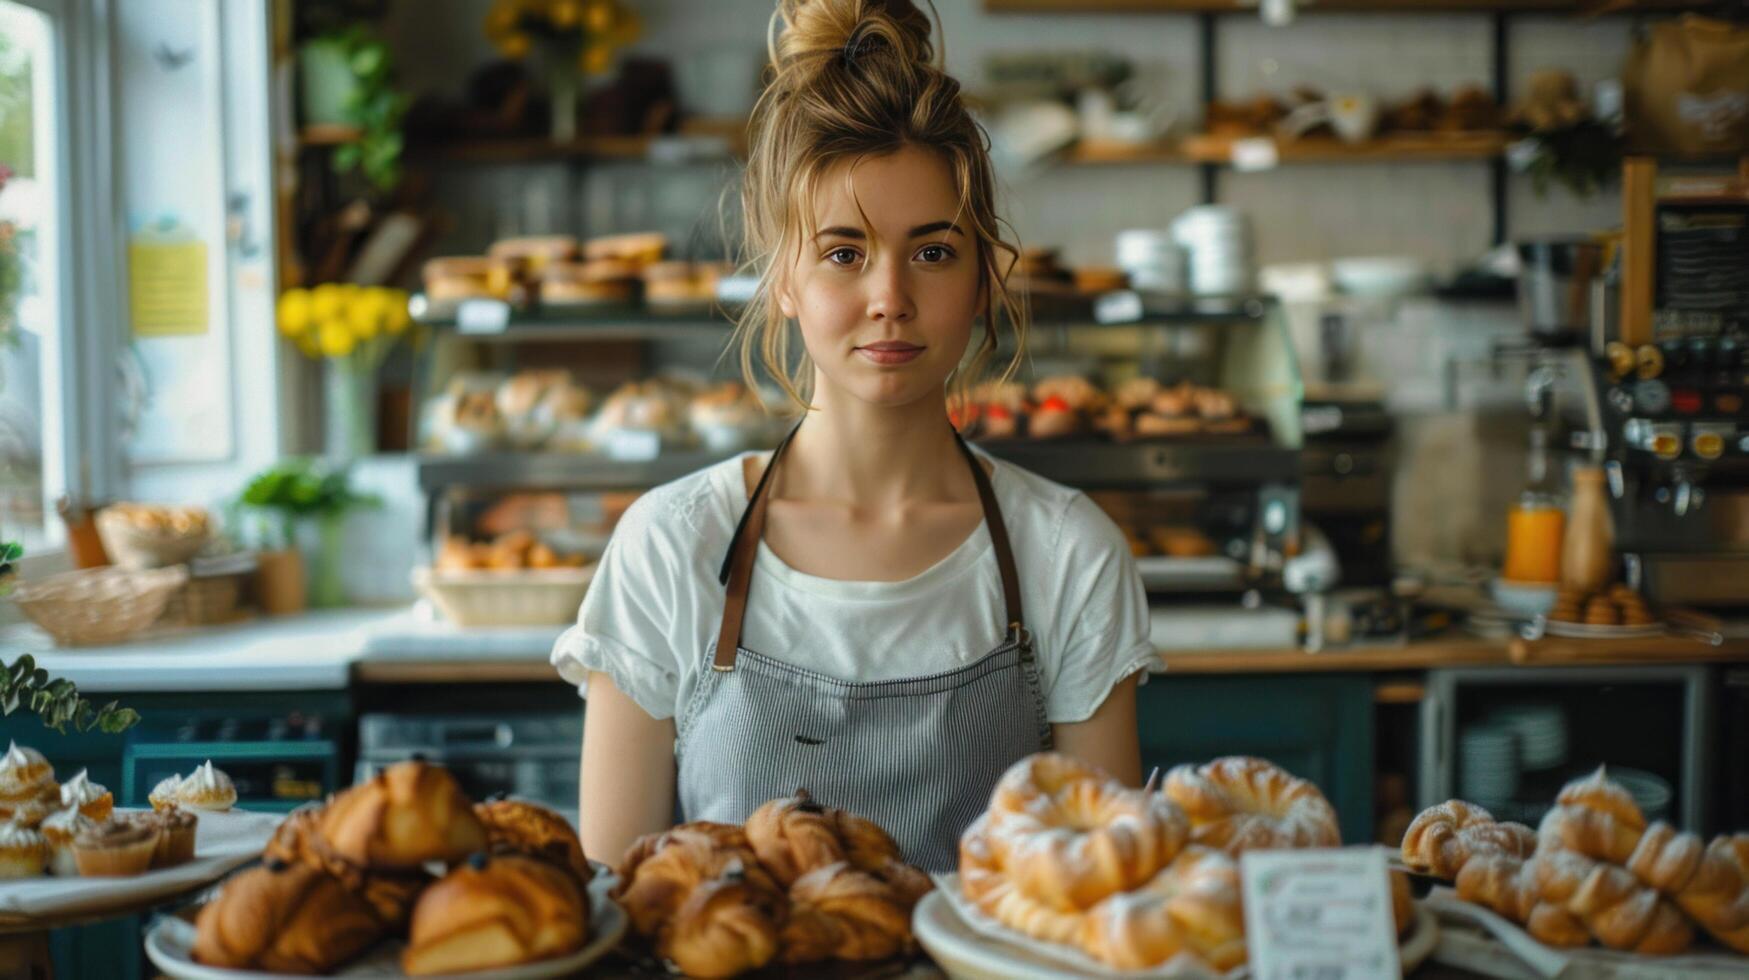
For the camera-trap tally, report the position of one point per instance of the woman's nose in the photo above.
(889, 296)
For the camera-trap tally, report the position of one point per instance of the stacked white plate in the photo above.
(1223, 259)
(1153, 260)
(1488, 764)
(1650, 790)
(1542, 734)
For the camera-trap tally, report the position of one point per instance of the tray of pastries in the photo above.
(1596, 884)
(799, 885)
(403, 875)
(1616, 611)
(68, 852)
(1028, 900)
(1067, 406)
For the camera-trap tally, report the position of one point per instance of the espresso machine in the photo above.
(1668, 401)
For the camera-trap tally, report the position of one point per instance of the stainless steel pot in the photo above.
(1554, 285)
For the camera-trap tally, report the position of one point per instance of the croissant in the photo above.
(409, 814)
(517, 827)
(496, 912)
(839, 912)
(390, 893)
(1597, 792)
(678, 865)
(1599, 834)
(868, 847)
(1624, 914)
(284, 918)
(1192, 907)
(1509, 886)
(793, 835)
(708, 831)
(1442, 838)
(1240, 803)
(1704, 881)
(727, 925)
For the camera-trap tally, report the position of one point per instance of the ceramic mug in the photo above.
(1353, 116)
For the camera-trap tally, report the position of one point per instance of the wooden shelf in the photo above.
(328, 134)
(695, 139)
(1204, 148)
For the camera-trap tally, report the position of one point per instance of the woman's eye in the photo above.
(935, 253)
(842, 256)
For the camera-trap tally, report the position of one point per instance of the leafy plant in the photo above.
(1581, 156)
(374, 107)
(296, 490)
(57, 700)
(54, 699)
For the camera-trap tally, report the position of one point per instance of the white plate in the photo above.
(1580, 631)
(222, 842)
(963, 953)
(170, 940)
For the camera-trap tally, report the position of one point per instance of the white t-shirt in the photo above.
(655, 604)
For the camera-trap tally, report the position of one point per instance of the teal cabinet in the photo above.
(279, 747)
(1316, 726)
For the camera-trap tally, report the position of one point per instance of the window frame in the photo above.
(81, 438)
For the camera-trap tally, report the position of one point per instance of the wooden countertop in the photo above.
(1456, 651)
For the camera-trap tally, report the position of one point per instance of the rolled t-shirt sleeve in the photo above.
(626, 625)
(1101, 635)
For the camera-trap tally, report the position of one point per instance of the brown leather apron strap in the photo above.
(736, 573)
(998, 539)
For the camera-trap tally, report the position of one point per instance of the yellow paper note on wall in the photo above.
(167, 294)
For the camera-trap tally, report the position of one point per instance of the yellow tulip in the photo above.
(596, 59)
(599, 16)
(337, 341)
(515, 46)
(395, 315)
(565, 13)
(326, 301)
(308, 343)
(294, 312)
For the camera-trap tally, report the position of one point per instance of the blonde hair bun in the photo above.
(820, 35)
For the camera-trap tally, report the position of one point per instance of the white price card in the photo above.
(633, 445)
(1319, 915)
(482, 316)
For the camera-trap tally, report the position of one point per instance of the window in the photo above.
(31, 415)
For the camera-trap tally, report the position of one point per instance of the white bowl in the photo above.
(1523, 598)
(1381, 276)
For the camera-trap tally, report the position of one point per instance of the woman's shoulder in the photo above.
(1050, 514)
(699, 508)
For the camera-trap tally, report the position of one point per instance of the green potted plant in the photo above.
(346, 77)
(55, 700)
(282, 498)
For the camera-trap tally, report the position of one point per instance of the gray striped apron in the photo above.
(917, 755)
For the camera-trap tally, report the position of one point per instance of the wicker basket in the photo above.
(132, 546)
(535, 597)
(204, 601)
(98, 605)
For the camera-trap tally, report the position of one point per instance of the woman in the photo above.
(874, 611)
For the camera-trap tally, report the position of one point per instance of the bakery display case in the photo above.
(1180, 416)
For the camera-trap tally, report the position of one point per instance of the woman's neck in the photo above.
(874, 455)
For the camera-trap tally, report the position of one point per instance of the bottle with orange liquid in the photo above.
(1537, 524)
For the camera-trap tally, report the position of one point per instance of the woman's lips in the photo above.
(890, 352)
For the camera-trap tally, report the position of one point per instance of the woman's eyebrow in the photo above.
(845, 231)
(935, 226)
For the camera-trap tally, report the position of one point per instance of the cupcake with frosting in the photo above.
(25, 775)
(117, 848)
(23, 852)
(206, 788)
(175, 836)
(58, 830)
(91, 798)
(163, 795)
